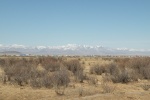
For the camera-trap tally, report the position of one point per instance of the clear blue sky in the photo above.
(110, 23)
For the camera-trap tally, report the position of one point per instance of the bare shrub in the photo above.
(92, 80)
(18, 72)
(122, 77)
(9, 71)
(39, 77)
(108, 87)
(2, 62)
(145, 72)
(138, 68)
(47, 81)
(52, 66)
(97, 69)
(80, 76)
(145, 87)
(36, 83)
(112, 68)
(3, 77)
(75, 67)
(60, 80)
(117, 74)
(21, 73)
(50, 63)
(121, 62)
(141, 65)
(44, 81)
(60, 90)
(134, 75)
(35, 71)
(104, 68)
(46, 60)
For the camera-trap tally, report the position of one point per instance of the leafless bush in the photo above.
(80, 76)
(145, 87)
(60, 90)
(141, 65)
(112, 68)
(36, 83)
(97, 69)
(50, 63)
(104, 68)
(92, 80)
(24, 70)
(116, 74)
(108, 87)
(134, 75)
(2, 62)
(60, 80)
(121, 62)
(45, 81)
(52, 66)
(122, 77)
(75, 67)
(21, 73)
(145, 72)
(9, 71)
(46, 60)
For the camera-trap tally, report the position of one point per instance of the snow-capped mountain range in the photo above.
(72, 49)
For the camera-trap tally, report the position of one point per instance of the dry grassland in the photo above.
(72, 78)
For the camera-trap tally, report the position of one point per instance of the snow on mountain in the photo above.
(18, 46)
(123, 49)
(41, 47)
(73, 49)
(65, 47)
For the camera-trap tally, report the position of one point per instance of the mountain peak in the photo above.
(73, 49)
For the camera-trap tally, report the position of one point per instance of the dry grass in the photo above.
(92, 79)
(51, 78)
(145, 86)
(108, 87)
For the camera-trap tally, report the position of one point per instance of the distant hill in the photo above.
(11, 53)
(70, 49)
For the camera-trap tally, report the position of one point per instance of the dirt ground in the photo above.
(130, 91)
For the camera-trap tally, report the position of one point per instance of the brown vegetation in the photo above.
(56, 73)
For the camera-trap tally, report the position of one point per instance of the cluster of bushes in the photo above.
(50, 72)
(124, 70)
(75, 67)
(40, 72)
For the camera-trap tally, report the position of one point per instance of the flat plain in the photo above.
(74, 78)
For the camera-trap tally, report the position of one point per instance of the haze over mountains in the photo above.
(70, 49)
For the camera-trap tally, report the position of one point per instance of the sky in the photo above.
(109, 23)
